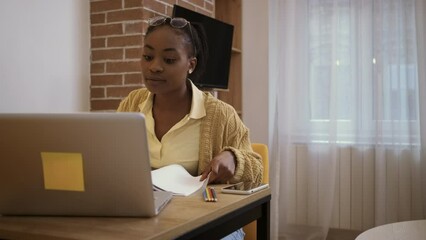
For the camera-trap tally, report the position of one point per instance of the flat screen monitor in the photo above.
(219, 41)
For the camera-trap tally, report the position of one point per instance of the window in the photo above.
(362, 70)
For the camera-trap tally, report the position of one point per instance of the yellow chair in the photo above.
(262, 150)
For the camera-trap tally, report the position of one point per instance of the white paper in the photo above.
(174, 178)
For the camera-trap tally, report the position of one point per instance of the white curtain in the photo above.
(351, 86)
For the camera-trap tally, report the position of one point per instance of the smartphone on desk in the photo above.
(244, 188)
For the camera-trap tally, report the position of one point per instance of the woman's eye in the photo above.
(147, 57)
(169, 60)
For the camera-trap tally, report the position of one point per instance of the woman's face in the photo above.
(165, 61)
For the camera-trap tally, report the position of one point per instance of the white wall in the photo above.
(44, 55)
(256, 88)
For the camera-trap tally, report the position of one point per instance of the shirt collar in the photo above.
(146, 106)
(197, 105)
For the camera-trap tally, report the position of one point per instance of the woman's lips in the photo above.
(154, 81)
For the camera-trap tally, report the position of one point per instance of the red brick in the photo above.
(107, 54)
(97, 68)
(135, 78)
(186, 5)
(98, 42)
(154, 6)
(133, 53)
(125, 41)
(124, 15)
(147, 14)
(119, 67)
(97, 92)
(108, 104)
(209, 7)
(169, 10)
(133, 27)
(105, 5)
(105, 30)
(104, 80)
(97, 18)
(199, 3)
(171, 2)
(132, 3)
(119, 91)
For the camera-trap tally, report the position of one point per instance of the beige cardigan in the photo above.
(221, 129)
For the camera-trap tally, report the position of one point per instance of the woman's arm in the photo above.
(224, 131)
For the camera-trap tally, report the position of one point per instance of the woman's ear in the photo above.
(192, 65)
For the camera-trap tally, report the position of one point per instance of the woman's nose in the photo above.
(156, 66)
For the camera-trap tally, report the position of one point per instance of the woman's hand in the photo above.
(221, 168)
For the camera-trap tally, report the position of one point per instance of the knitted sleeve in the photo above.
(249, 166)
(222, 129)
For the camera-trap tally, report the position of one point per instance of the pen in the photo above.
(205, 196)
(214, 194)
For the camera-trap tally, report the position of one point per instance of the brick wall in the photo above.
(117, 28)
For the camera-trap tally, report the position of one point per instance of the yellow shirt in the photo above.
(181, 143)
(221, 129)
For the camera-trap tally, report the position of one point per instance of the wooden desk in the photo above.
(409, 230)
(183, 218)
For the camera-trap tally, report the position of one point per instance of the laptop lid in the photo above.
(76, 164)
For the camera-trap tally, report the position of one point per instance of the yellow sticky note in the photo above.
(63, 171)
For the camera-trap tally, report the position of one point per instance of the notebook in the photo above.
(76, 164)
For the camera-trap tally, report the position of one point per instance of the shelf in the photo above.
(229, 11)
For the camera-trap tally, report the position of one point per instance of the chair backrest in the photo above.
(262, 150)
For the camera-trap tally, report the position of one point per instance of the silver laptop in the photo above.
(76, 164)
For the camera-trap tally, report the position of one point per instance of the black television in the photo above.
(219, 41)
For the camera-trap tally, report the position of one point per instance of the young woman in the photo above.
(185, 125)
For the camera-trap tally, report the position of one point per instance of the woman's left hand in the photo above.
(221, 168)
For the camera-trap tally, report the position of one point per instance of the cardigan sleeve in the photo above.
(249, 166)
(221, 130)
